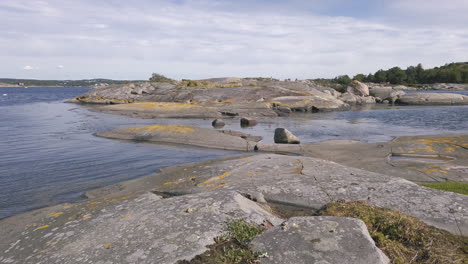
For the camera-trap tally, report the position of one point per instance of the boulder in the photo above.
(353, 99)
(432, 99)
(246, 122)
(284, 136)
(218, 123)
(349, 98)
(322, 102)
(319, 240)
(358, 88)
(385, 93)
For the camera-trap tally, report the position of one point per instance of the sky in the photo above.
(121, 39)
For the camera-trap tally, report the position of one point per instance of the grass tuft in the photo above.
(403, 238)
(233, 247)
(456, 187)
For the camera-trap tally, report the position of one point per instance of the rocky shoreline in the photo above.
(249, 97)
(176, 214)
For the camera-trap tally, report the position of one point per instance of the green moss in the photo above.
(233, 247)
(403, 238)
(456, 187)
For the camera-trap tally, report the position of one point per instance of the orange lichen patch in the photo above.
(250, 174)
(159, 105)
(93, 203)
(42, 227)
(411, 167)
(106, 245)
(164, 128)
(67, 206)
(86, 217)
(297, 162)
(127, 217)
(55, 214)
(167, 183)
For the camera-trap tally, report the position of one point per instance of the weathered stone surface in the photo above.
(246, 122)
(315, 103)
(353, 99)
(433, 99)
(130, 229)
(218, 123)
(178, 134)
(162, 110)
(434, 158)
(358, 88)
(213, 97)
(284, 136)
(245, 136)
(386, 93)
(303, 240)
(310, 183)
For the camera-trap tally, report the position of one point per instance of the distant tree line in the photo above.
(413, 75)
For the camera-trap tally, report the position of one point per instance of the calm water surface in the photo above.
(48, 154)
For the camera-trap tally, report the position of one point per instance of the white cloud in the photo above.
(204, 38)
(60, 67)
(28, 68)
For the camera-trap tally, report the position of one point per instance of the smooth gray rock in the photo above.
(218, 123)
(353, 99)
(307, 103)
(140, 229)
(386, 93)
(303, 240)
(312, 183)
(178, 134)
(358, 88)
(433, 99)
(246, 122)
(284, 136)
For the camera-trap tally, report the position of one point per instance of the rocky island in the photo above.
(287, 202)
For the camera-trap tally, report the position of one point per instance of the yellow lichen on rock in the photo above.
(434, 171)
(55, 214)
(449, 150)
(164, 128)
(42, 227)
(159, 105)
(207, 182)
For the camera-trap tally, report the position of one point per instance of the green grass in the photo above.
(403, 238)
(456, 187)
(233, 247)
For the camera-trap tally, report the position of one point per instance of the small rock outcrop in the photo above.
(218, 123)
(353, 99)
(319, 240)
(284, 136)
(433, 99)
(386, 93)
(246, 122)
(358, 88)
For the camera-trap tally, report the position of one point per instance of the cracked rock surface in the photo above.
(319, 239)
